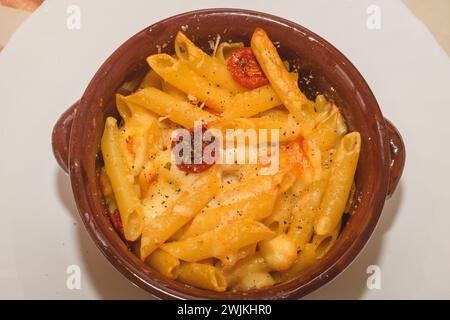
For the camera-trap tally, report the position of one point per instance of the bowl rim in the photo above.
(149, 281)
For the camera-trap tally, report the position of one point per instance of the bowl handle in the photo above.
(61, 137)
(398, 156)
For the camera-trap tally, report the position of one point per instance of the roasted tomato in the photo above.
(190, 162)
(245, 70)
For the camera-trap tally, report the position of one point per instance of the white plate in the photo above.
(46, 67)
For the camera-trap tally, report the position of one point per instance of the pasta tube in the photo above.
(249, 273)
(219, 242)
(250, 103)
(206, 66)
(187, 80)
(119, 175)
(151, 79)
(165, 105)
(159, 228)
(164, 263)
(286, 125)
(283, 85)
(248, 189)
(325, 134)
(305, 259)
(323, 243)
(173, 91)
(341, 179)
(301, 227)
(202, 276)
(225, 49)
(256, 208)
(140, 135)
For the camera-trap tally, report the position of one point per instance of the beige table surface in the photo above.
(435, 14)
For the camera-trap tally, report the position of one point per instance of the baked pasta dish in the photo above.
(220, 173)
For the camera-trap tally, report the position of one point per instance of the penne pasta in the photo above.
(219, 242)
(165, 105)
(164, 263)
(105, 186)
(159, 228)
(247, 189)
(287, 127)
(305, 259)
(289, 179)
(202, 276)
(140, 135)
(147, 177)
(225, 49)
(250, 103)
(321, 103)
(249, 273)
(187, 80)
(283, 85)
(323, 243)
(160, 197)
(206, 66)
(335, 197)
(256, 208)
(287, 203)
(301, 227)
(325, 135)
(151, 79)
(341, 125)
(173, 91)
(253, 281)
(233, 257)
(119, 176)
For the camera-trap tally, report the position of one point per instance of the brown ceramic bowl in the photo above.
(76, 140)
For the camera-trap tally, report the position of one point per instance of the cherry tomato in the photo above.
(188, 162)
(245, 70)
